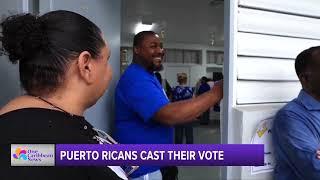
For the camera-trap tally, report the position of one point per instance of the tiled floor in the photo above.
(203, 134)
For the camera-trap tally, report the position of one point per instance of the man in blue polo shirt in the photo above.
(144, 114)
(296, 128)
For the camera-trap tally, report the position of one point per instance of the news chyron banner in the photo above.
(133, 154)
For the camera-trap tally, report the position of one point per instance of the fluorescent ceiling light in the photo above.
(142, 27)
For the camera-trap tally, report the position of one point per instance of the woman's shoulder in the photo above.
(45, 126)
(20, 102)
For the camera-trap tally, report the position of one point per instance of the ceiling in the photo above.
(182, 21)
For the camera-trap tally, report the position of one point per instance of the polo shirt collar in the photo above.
(308, 101)
(141, 67)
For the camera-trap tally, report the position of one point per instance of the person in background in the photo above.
(64, 69)
(217, 76)
(167, 172)
(196, 88)
(143, 107)
(165, 84)
(204, 87)
(183, 92)
(296, 127)
(210, 83)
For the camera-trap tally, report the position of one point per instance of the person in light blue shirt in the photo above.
(144, 114)
(296, 128)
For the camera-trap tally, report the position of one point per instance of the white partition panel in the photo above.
(264, 22)
(262, 39)
(248, 118)
(252, 68)
(266, 92)
(301, 7)
(272, 46)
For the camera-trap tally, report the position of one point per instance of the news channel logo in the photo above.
(32, 155)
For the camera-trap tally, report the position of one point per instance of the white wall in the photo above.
(263, 38)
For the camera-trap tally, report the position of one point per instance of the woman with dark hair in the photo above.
(64, 70)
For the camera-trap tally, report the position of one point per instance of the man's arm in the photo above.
(295, 139)
(187, 110)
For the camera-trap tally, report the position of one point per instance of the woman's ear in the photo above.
(85, 67)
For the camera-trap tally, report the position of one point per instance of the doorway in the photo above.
(193, 38)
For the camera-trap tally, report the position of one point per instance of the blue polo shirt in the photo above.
(139, 95)
(296, 137)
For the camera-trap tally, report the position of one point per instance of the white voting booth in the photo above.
(253, 126)
(262, 39)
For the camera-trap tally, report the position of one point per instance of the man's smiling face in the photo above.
(151, 52)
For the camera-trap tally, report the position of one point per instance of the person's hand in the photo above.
(218, 89)
(318, 154)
